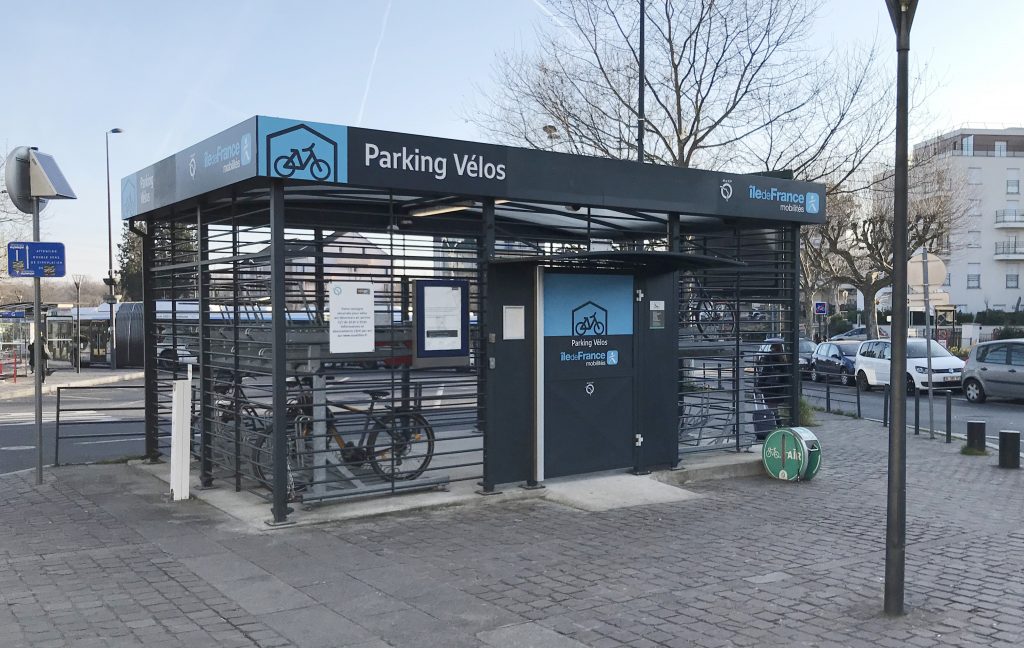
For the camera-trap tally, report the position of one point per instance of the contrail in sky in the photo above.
(373, 63)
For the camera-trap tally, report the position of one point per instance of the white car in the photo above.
(871, 365)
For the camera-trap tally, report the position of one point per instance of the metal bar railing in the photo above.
(59, 423)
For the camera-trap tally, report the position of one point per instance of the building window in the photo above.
(949, 280)
(1012, 281)
(974, 239)
(974, 281)
(1013, 181)
(1000, 149)
(973, 175)
(968, 145)
(975, 209)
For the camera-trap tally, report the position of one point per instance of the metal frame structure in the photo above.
(244, 270)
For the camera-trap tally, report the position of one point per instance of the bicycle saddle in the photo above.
(377, 394)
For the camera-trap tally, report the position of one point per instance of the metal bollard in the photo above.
(885, 408)
(949, 416)
(857, 391)
(719, 376)
(917, 411)
(828, 393)
(976, 435)
(1009, 449)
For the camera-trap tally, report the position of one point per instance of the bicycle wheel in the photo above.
(401, 446)
(261, 458)
(282, 166)
(320, 170)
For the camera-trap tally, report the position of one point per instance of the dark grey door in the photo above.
(588, 372)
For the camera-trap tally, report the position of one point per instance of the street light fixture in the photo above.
(78, 279)
(110, 258)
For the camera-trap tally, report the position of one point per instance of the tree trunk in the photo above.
(870, 310)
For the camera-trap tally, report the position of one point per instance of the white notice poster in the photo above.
(442, 318)
(351, 317)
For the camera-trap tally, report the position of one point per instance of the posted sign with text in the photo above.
(351, 308)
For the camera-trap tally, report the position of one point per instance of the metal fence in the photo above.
(731, 389)
(70, 431)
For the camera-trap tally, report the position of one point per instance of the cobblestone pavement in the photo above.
(96, 557)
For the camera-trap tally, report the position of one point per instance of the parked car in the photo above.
(857, 333)
(833, 359)
(995, 369)
(804, 353)
(872, 365)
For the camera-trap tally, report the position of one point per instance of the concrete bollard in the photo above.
(976, 435)
(1009, 449)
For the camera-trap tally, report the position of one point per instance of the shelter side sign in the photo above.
(351, 311)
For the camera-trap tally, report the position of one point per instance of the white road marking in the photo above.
(107, 441)
(31, 447)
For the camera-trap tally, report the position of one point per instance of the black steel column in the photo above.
(794, 329)
(318, 275)
(149, 327)
(236, 320)
(485, 252)
(902, 14)
(279, 352)
(205, 382)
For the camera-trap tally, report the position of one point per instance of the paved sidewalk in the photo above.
(25, 387)
(97, 557)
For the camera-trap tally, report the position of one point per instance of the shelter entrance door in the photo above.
(588, 372)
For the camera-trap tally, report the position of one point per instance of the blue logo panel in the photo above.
(303, 150)
(811, 202)
(588, 305)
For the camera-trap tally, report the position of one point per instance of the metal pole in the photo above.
(928, 347)
(110, 265)
(37, 351)
(902, 14)
(640, 122)
(949, 416)
(279, 352)
(78, 326)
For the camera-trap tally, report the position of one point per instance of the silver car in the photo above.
(995, 369)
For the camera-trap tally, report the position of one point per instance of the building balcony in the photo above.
(1011, 250)
(1009, 219)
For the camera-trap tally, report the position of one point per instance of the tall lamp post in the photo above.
(78, 279)
(902, 14)
(109, 280)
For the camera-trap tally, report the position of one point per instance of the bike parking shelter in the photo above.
(373, 312)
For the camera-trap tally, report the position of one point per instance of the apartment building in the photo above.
(986, 250)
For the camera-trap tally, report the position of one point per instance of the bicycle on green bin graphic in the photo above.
(286, 165)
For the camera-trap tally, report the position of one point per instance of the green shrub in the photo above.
(807, 414)
(1008, 333)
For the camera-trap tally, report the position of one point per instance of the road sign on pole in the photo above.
(35, 259)
(820, 308)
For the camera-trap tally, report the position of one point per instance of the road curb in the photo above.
(20, 392)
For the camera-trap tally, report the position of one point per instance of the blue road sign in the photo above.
(12, 314)
(35, 259)
(820, 308)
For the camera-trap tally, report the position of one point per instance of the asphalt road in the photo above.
(18, 435)
(997, 414)
(18, 430)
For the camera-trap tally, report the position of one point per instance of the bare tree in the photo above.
(728, 82)
(855, 245)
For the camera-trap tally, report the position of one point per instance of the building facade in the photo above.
(986, 249)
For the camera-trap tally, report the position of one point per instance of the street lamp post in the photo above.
(110, 259)
(641, 119)
(78, 279)
(902, 14)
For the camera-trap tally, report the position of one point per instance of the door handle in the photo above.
(984, 368)
(1013, 371)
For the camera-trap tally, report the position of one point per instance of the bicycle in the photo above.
(590, 323)
(712, 319)
(396, 444)
(286, 165)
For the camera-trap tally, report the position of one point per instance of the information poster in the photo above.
(442, 318)
(351, 306)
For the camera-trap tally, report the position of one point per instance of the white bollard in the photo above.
(181, 410)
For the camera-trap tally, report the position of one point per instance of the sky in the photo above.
(173, 73)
